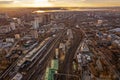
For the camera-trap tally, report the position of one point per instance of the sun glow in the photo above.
(38, 11)
(57, 3)
(42, 3)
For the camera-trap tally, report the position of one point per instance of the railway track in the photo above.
(67, 64)
(39, 74)
(36, 72)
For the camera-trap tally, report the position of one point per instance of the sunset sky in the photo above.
(59, 3)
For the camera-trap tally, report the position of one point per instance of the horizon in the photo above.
(57, 3)
(69, 7)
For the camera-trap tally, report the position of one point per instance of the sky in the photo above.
(59, 3)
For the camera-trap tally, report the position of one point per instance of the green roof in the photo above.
(51, 71)
(54, 64)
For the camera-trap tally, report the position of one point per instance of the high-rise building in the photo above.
(19, 21)
(36, 23)
(4, 15)
(99, 22)
(34, 33)
(70, 34)
(17, 36)
(12, 25)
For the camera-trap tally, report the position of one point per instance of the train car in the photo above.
(18, 76)
(32, 46)
(20, 62)
(34, 53)
(31, 53)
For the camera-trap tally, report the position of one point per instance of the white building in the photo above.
(17, 36)
(4, 15)
(10, 40)
(99, 22)
(18, 76)
(36, 23)
(12, 25)
(34, 34)
(5, 29)
(70, 34)
(19, 21)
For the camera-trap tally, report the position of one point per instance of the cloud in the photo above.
(6, 1)
(67, 0)
(58, 3)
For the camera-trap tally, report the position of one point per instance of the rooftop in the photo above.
(116, 30)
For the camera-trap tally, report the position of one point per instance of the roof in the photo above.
(18, 76)
(49, 75)
(54, 64)
(116, 30)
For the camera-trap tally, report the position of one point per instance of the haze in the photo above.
(59, 3)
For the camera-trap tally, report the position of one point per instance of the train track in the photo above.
(36, 72)
(39, 74)
(67, 64)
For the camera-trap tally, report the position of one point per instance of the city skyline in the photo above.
(61, 3)
(57, 40)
